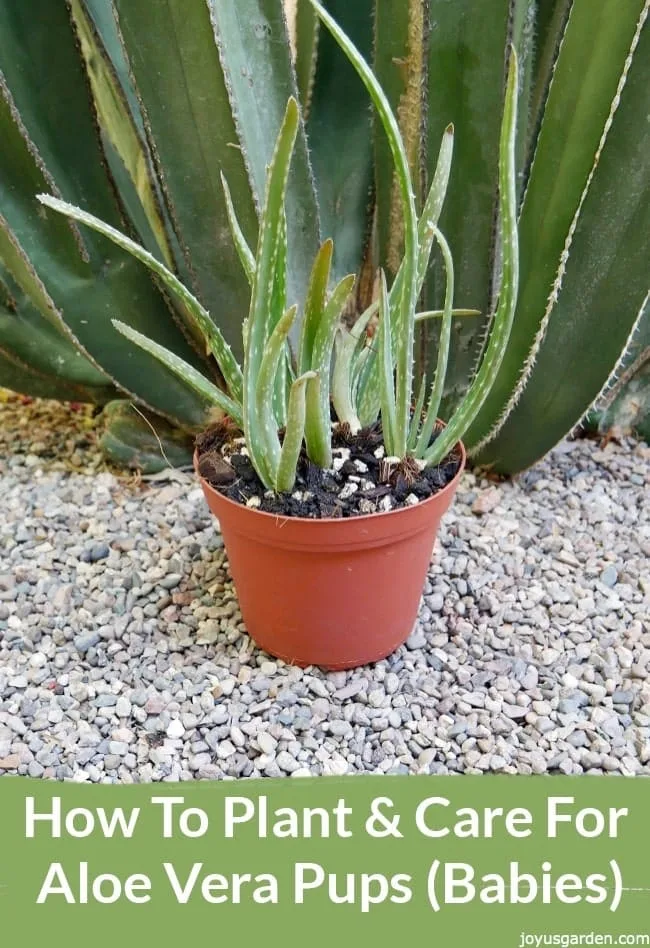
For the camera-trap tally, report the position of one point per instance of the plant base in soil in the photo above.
(361, 481)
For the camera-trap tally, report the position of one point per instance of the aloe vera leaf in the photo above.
(317, 425)
(437, 388)
(314, 303)
(387, 381)
(431, 212)
(589, 82)
(341, 384)
(358, 365)
(216, 343)
(244, 252)
(210, 394)
(271, 223)
(277, 308)
(348, 365)
(292, 444)
(437, 313)
(504, 315)
(416, 417)
(405, 304)
(337, 113)
(270, 367)
(369, 388)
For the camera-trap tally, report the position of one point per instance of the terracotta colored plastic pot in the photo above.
(334, 593)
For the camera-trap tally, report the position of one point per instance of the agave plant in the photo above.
(276, 389)
(583, 203)
(195, 89)
(72, 70)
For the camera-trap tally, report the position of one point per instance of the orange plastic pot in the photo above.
(334, 593)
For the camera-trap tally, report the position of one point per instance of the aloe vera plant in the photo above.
(403, 430)
(274, 390)
(155, 110)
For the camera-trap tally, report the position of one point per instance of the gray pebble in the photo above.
(170, 581)
(86, 641)
(609, 576)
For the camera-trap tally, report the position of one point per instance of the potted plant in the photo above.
(329, 522)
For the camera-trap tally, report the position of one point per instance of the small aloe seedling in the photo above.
(382, 377)
(271, 392)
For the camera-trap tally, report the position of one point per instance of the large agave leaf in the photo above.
(42, 67)
(214, 79)
(600, 291)
(581, 275)
(501, 325)
(124, 136)
(339, 127)
(256, 60)
(21, 377)
(121, 126)
(33, 335)
(32, 339)
(625, 404)
(183, 94)
(86, 281)
(465, 84)
(400, 66)
(550, 23)
(305, 35)
(523, 23)
(20, 277)
(102, 14)
(136, 439)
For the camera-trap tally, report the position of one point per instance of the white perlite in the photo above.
(531, 653)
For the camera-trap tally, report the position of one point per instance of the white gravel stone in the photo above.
(175, 730)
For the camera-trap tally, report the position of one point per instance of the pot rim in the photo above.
(449, 488)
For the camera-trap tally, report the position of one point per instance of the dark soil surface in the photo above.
(362, 480)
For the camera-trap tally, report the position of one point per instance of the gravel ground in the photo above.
(123, 656)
